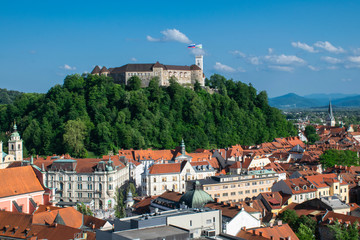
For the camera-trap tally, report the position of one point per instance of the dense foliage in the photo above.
(8, 96)
(343, 232)
(91, 113)
(303, 226)
(339, 157)
(311, 135)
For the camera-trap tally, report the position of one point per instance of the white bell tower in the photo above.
(15, 145)
(199, 61)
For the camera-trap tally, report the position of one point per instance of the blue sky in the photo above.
(279, 46)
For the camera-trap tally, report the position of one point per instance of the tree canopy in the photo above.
(92, 113)
(332, 157)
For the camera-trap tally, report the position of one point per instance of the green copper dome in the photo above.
(197, 197)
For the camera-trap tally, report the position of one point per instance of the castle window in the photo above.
(185, 74)
(18, 146)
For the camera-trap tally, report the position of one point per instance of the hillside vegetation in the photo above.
(8, 96)
(91, 113)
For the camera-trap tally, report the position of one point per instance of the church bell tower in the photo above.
(16, 145)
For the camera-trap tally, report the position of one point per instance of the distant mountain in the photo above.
(353, 101)
(292, 100)
(328, 96)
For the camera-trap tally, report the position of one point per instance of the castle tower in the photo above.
(199, 61)
(15, 145)
(330, 120)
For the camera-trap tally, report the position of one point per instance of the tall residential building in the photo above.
(237, 188)
(91, 181)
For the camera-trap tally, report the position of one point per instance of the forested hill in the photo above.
(8, 96)
(91, 113)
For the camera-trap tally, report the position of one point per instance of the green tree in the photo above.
(343, 232)
(81, 207)
(311, 135)
(339, 157)
(74, 136)
(134, 83)
(305, 233)
(290, 217)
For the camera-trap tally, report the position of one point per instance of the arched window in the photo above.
(100, 187)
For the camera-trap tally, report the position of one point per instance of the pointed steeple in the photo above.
(330, 120)
(330, 111)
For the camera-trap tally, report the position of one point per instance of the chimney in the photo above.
(260, 233)
(271, 238)
(254, 232)
(244, 228)
(279, 223)
(271, 224)
(288, 238)
(93, 226)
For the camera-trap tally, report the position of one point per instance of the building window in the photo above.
(99, 179)
(217, 195)
(233, 186)
(79, 195)
(208, 221)
(69, 194)
(225, 194)
(247, 184)
(90, 186)
(69, 185)
(154, 188)
(79, 186)
(154, 179)
(225, 186)
(89, 195)
(60, 178)
(100, 187)
(79, 178)
(174, 178)
(190, 223)
(110, 187)
(110, 179)
(233, 193)
(240, 193)
(69, 178)
(247, 191)
(254, 191)
(164, 179)
(89, 179)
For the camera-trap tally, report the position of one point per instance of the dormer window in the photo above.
(304, 187)
(297, 188)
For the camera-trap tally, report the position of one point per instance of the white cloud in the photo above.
(133, 59)
(332, 67)
(224, 68)
(303, 46)
(255, 60)
(283, 59)
(197, 51)
(354, 59)
(67, 67)
(313, 68)
(238, 53)
(170, 35)
(329, 47)
(270, 51)
(331, 60)
(282, 68)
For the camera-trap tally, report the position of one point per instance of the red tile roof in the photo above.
(277, 232)
(165, 168)
(19, 180)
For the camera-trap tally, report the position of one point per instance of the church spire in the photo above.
(330, 120)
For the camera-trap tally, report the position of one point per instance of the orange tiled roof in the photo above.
(230, 210)
(299, 185)
(71, 217)
(277, 232)
(162, 168)
(19, 180)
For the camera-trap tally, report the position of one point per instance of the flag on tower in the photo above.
(198, 46)
(192, 46)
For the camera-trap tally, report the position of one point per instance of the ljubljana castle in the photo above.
(186, 75)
